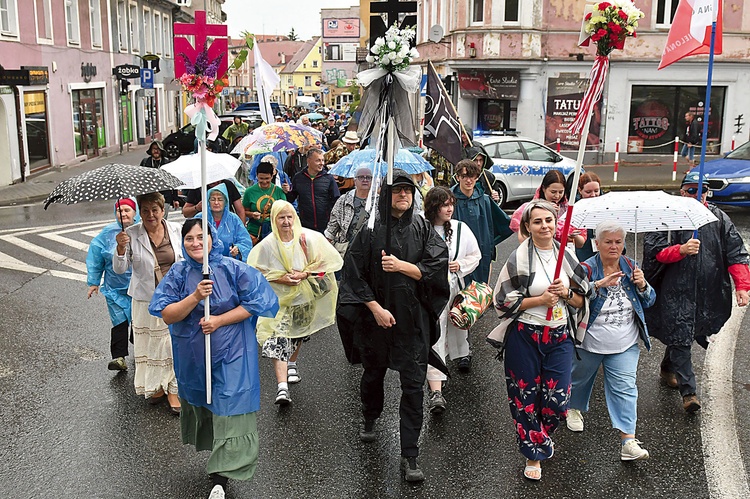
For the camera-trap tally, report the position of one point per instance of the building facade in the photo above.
(300, 78)
(341, 31)
(518, 66)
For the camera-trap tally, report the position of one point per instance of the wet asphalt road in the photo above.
(72, 429)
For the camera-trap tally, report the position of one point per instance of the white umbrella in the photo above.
(642, 211)
(188, 168)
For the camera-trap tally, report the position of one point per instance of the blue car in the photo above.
(729, 177)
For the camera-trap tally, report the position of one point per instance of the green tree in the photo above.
(356, 97)
(293, 35)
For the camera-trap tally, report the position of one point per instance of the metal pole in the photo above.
(119, 113)
(151, 115)
(206, 274)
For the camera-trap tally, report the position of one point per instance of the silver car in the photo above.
(520, 164)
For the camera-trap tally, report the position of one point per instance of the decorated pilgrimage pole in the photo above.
(607, 24)
(202, 69)
(386, 116)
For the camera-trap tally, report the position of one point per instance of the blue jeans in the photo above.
(688, 150)
(620, 390)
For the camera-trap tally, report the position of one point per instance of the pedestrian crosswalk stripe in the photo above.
(44, 252)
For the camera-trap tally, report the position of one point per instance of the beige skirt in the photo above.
(152, 349)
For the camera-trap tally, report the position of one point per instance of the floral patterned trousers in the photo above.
(538, 370)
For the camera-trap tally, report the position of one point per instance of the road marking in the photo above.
(10, 263)
(53, 236)
(45, 253)
(725, 469)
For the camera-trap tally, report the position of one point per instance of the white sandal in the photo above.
(532, 469)
(292, 375)
(282, 397)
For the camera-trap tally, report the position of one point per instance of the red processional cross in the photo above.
(201, 31)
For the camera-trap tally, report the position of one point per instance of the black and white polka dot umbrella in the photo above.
(113, 181)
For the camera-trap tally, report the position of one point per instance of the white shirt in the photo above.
(614, 330)
(544, 271)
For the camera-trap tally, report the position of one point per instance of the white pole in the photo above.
(206, 249)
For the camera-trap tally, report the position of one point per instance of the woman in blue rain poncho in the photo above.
(230, 229)
(238, 295)
(115, 286)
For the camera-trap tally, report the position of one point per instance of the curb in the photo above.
(37, 198)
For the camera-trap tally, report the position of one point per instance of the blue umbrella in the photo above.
(409, 162)
(315, 116)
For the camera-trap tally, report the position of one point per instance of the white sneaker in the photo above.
(217, 492)
(574, 420)
(632, 451)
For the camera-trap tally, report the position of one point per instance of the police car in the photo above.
(520, 164)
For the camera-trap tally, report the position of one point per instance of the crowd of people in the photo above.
(293, 256)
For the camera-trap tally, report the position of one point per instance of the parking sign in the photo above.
(147, 78)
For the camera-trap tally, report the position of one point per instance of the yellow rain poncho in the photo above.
(311, 305)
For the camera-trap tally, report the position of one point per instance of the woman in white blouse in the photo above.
(463, 257)
(150, 248)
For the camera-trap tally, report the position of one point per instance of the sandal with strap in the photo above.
(292, 375)
(528, 470)
(282, 397)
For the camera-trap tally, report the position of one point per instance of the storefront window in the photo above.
(88, 122)
(657, 117)
(37, 136)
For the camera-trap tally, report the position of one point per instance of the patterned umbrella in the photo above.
(188, 168)
(642, 211)
(408, 161)
(113, 181)
(279, 137)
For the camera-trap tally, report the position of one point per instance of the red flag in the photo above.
(690, 33)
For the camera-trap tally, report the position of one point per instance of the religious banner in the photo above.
(201, 31)
(564, 95)
(490, 84)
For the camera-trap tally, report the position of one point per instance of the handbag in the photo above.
(472, 301)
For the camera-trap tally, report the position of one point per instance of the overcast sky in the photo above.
(272, 17)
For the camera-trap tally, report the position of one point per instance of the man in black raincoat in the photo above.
(389, 307)
(693, 290)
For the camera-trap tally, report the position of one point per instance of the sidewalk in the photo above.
(648, 173)
(38, 187)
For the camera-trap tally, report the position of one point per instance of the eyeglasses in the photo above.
(398, 189)
(364, 177)
(692, 190)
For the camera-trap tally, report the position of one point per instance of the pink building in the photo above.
(59, 100)
(518, 67)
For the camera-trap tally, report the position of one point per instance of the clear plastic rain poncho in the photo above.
(311, 305)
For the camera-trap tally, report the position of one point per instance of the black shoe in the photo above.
(368, 433)
(691, 404)
(412, 473)
(436, 402)
(464, 364)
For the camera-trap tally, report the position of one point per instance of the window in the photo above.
(71, 22)
(148, 46)
(166, 36)
(512, 8)
(536, 152)
(95, 21)
(8, 18)
(308, 81)
(122, 25)
(333, 52)
(508, 150)
(665, 10)
(43, 10)
(135, 44)
(315, 64)
(157, 33)
(290, 79)
(477, 11)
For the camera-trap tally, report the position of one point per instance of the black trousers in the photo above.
(410, 409)
(118, 344)
(677, 359)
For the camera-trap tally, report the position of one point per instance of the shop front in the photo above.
(657, 116)
(496, 94)
(36, 124)
(564, 95)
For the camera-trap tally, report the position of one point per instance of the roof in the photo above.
(271, 51)
(300, 56)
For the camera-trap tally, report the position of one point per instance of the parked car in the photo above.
(252, 118)
(729, 177)
(520, 164)
(183, 140)
(276, 108)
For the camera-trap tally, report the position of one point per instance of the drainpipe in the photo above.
(19, 121)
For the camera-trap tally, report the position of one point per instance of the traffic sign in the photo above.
(423, 86)
(149, 92)
(300, 92)
(147, 78)
(317, 83)
(326, 91)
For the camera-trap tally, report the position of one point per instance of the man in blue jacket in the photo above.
(315, 191)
